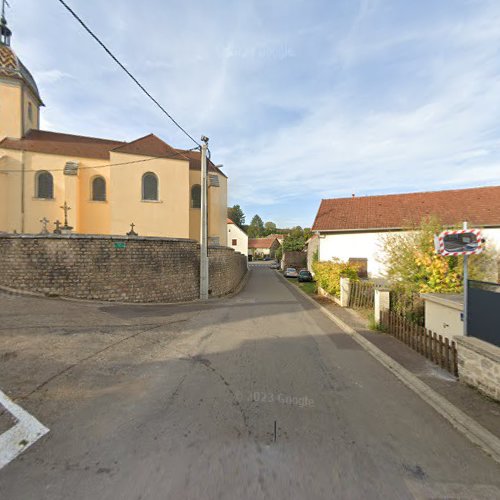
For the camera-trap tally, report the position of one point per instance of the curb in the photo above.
(466, 425)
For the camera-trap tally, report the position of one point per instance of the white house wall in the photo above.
(352, 245)
(368, 246)
(235, 233)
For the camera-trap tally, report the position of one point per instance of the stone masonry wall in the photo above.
(479, 365)
(114, 268)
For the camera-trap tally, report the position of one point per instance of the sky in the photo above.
(301, 100)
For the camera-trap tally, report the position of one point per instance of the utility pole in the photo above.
(204, 222)
(466, 286)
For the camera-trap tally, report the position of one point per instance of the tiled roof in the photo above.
(149, 145)
(195, 162)
(11, 66)
(277, 236)
(40, 141)
(55, 143)
(229, 221)
(480, 206)
(261, 242)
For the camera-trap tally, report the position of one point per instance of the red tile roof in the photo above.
(261, 242)
(480, 206)
(229, 221)
(40, 141)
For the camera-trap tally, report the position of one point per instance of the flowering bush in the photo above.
(328, 274)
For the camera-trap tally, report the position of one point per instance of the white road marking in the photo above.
(22, 435)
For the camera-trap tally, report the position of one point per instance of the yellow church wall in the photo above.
(217, 210)
(95, 216)
(3, 202)
(29, 99)
(168, 217)
(10, 108)
(10, 206)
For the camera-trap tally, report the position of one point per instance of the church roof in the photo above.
(12, 67)
(78, 146)
(40, 141)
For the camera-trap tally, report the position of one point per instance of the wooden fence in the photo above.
(362, 294)
(429, 344)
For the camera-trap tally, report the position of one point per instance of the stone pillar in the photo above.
(382, 303)
(345, 291)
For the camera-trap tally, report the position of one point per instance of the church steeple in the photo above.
(5, 32)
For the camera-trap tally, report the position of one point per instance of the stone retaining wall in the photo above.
(479, 365)
(115, 268)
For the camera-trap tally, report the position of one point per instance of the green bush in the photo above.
(328, 274)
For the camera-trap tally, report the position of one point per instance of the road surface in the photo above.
(258, 396)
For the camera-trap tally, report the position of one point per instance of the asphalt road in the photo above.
(257, 396)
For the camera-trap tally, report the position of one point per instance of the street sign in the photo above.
(460, 242)
(120, 244)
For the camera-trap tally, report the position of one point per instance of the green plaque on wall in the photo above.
(120, 244)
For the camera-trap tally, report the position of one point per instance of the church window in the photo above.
(149, 187)
(98, 189)
(196, 196)
(44, 185)
(30, 112)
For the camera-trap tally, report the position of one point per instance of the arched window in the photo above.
(196, 196)
(150, 187)
(98, 189)
(30, 112)
(44, 185)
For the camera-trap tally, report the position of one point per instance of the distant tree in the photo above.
(256, 228)
(235, 213)
(270, 227)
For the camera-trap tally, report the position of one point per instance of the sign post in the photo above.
(461, 242)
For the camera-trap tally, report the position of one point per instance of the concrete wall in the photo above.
(236, 233)
(443, 316)
(479, 365)
(115, 268)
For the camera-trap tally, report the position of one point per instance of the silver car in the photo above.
(291, 272)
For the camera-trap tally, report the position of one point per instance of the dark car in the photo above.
(305, 275)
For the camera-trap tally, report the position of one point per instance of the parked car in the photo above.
(290, 272)
(305, 275)
(275, 265)
(268, 258)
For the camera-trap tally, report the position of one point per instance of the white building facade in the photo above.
(237, 239)
(354, 228)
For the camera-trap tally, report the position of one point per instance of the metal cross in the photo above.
(66, 208)
(4, 3)
(44, 222)
(57, 230)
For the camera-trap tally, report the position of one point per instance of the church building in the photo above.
(106, 184)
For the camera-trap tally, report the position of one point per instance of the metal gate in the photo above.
(483, 311)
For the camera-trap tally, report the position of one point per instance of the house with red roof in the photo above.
(263, 247)
(237, 239)
(351, 228)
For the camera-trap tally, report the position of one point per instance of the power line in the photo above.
(174, 156)
(136, 81)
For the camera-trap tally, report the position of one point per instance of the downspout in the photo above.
(22, 190)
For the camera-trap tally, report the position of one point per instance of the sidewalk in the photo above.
(483, 410)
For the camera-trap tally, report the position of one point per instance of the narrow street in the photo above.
(252, 397)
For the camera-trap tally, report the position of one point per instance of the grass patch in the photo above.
(308, 287)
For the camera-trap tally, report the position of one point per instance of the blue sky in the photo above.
(301, 100)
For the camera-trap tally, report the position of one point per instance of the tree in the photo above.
(235, 213)
(269, 228)
(413, 266)
(256, 228)
(295, 241)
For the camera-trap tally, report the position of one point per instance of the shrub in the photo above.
(328, 274)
